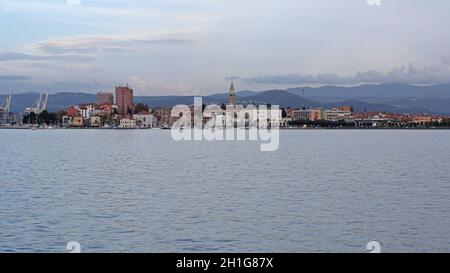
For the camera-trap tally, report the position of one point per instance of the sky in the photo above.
(193, 47)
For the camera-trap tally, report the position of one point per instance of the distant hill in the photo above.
(56, 101)
(279, 97)
(361, 106)
(164, 101)
(60, 101)
(385, 98)
(375, 91)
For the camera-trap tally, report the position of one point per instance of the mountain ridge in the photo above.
(384, 98)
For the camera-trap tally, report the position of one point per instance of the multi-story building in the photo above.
(422, 119)
(272, 116)
(336, 114)
(164, 117)
(300, 115)
(124, 100)
(105, 109)
(127, 123)
(315, 114)
(87, 110)
(96, 121)
(144, 119)
(77, 122)
(105, 98)
(66, 121)
(345, 108)
(72, 111)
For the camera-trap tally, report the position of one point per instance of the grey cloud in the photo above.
(78, 86)
(408, 74)
(446, 60)
(13, 78)
(13, 56)
(62, 86)
(95, 45)
(17, 56)
(165, 41)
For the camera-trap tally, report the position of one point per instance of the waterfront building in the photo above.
(345, 108)
(87, 110)
(144, 119)
(105, 98)
(315, 114)
(273, 117)
(127, 123)
(77, 122)
(300, 115)
(96, 121)
(285, 122)
(73, 111)
(232, 95)
(124, 100)
(66, 121)
(105, 109)
(422, 119)
(336, 114)
(164, 117)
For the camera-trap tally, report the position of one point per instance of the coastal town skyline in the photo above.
(118, 109)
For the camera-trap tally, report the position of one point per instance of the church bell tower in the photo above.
(232, 95)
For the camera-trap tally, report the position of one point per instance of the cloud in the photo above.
(407, 74)
(53, 87)
(446, 60)
(13, 78)
(17, 56)
(84, 49)
(155, 87)
(102, 44)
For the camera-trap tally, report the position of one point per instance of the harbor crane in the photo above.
(5, 107)
(5, 110)
(39, 105)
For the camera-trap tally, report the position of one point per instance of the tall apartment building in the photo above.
(105, 98)
(124, 100)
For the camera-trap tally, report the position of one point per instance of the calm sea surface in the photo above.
(140, 191)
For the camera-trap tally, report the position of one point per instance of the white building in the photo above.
(96, 121)
(87, 111)
(127, 123)
(144, 119)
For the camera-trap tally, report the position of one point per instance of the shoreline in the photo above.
(164, 129)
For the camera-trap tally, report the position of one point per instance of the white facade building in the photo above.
(144, 119)
(127, 123)
(87, 111)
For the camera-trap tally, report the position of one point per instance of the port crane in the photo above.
(39, 105)
(5, 107)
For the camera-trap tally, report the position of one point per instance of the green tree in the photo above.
(30, 118)
(141, 107)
